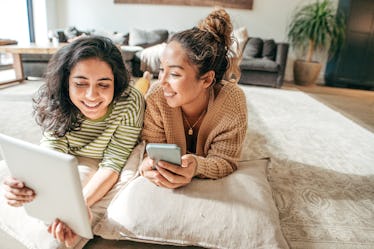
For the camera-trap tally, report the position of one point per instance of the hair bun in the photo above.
(218, 23)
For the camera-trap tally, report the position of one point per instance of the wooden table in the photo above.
(31, 48)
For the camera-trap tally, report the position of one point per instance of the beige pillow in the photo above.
(235, 212)
(241, 37)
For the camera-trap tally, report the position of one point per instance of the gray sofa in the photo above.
(34, 65)
(143, 49)
(132, 45)
(263, 62)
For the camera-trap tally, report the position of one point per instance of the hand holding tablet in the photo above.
(54, 178)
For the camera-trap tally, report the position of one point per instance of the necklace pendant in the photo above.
(190, 132)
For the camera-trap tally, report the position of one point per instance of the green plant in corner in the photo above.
(315, 26)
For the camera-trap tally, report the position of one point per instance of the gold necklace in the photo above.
(190, 130)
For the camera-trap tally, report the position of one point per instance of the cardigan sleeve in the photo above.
(153, 129)
(228, 128)
(223, 156)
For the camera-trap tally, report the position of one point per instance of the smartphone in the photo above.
(165, 152)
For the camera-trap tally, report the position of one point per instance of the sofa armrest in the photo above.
(282, 54)
(281, 60)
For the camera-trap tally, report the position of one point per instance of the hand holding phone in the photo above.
(168, 175)
(170, 153)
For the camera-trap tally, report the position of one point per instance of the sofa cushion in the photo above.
(236, 211)
(269, 49)
(128, 52)
(145, 38)
(117, 37)
(240, 38)
(259, 64)
(253, 48)
(73, 32)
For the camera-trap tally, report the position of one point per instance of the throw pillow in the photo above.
(269, 49)
(253, 48)
(236, 212)
(73, 32)
(240, 38)
(117, 37)
(145, 38)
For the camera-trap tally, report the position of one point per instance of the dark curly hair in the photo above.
(208, 46)
(53, 109)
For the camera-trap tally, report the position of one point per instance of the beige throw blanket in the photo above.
(150, 58)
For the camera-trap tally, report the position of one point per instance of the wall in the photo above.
(40, 20)
(263, 20)
(267, 19)
(13, 20)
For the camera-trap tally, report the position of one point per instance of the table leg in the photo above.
(18, 68)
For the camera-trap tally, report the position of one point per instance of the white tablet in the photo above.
(54, 178)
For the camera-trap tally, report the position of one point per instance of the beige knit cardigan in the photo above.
(221, 134)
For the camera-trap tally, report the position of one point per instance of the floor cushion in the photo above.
(235, 212)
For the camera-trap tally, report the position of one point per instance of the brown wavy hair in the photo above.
(53, 109)
(208, 46)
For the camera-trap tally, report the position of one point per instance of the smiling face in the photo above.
(91, 87)
(179, 80)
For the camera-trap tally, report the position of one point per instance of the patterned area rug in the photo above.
(322, 172)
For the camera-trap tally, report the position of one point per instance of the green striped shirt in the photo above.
(110, 139)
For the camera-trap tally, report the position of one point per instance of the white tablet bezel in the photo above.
(55, 179)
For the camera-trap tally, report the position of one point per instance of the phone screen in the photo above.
(164, 152)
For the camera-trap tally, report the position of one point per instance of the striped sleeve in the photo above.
(127, 132)
(55, 143)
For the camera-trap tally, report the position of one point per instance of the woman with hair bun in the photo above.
(194, 107)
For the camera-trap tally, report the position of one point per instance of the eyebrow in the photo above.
(85, 78)
(176, 66)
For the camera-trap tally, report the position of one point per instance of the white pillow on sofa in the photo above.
(235, 212)
(241, 37)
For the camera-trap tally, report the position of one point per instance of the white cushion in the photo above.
(117, 38)
(128, 52)
(236, 212)
(241, 37)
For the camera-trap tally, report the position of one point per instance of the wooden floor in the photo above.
(355, 104)
(322, 89)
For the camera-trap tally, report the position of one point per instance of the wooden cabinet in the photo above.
(353, 66)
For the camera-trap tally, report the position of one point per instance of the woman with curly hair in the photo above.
(87, 109)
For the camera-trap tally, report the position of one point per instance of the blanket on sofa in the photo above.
(150, 58)
(322, 172)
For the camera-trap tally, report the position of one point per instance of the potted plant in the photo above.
(314, 27)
